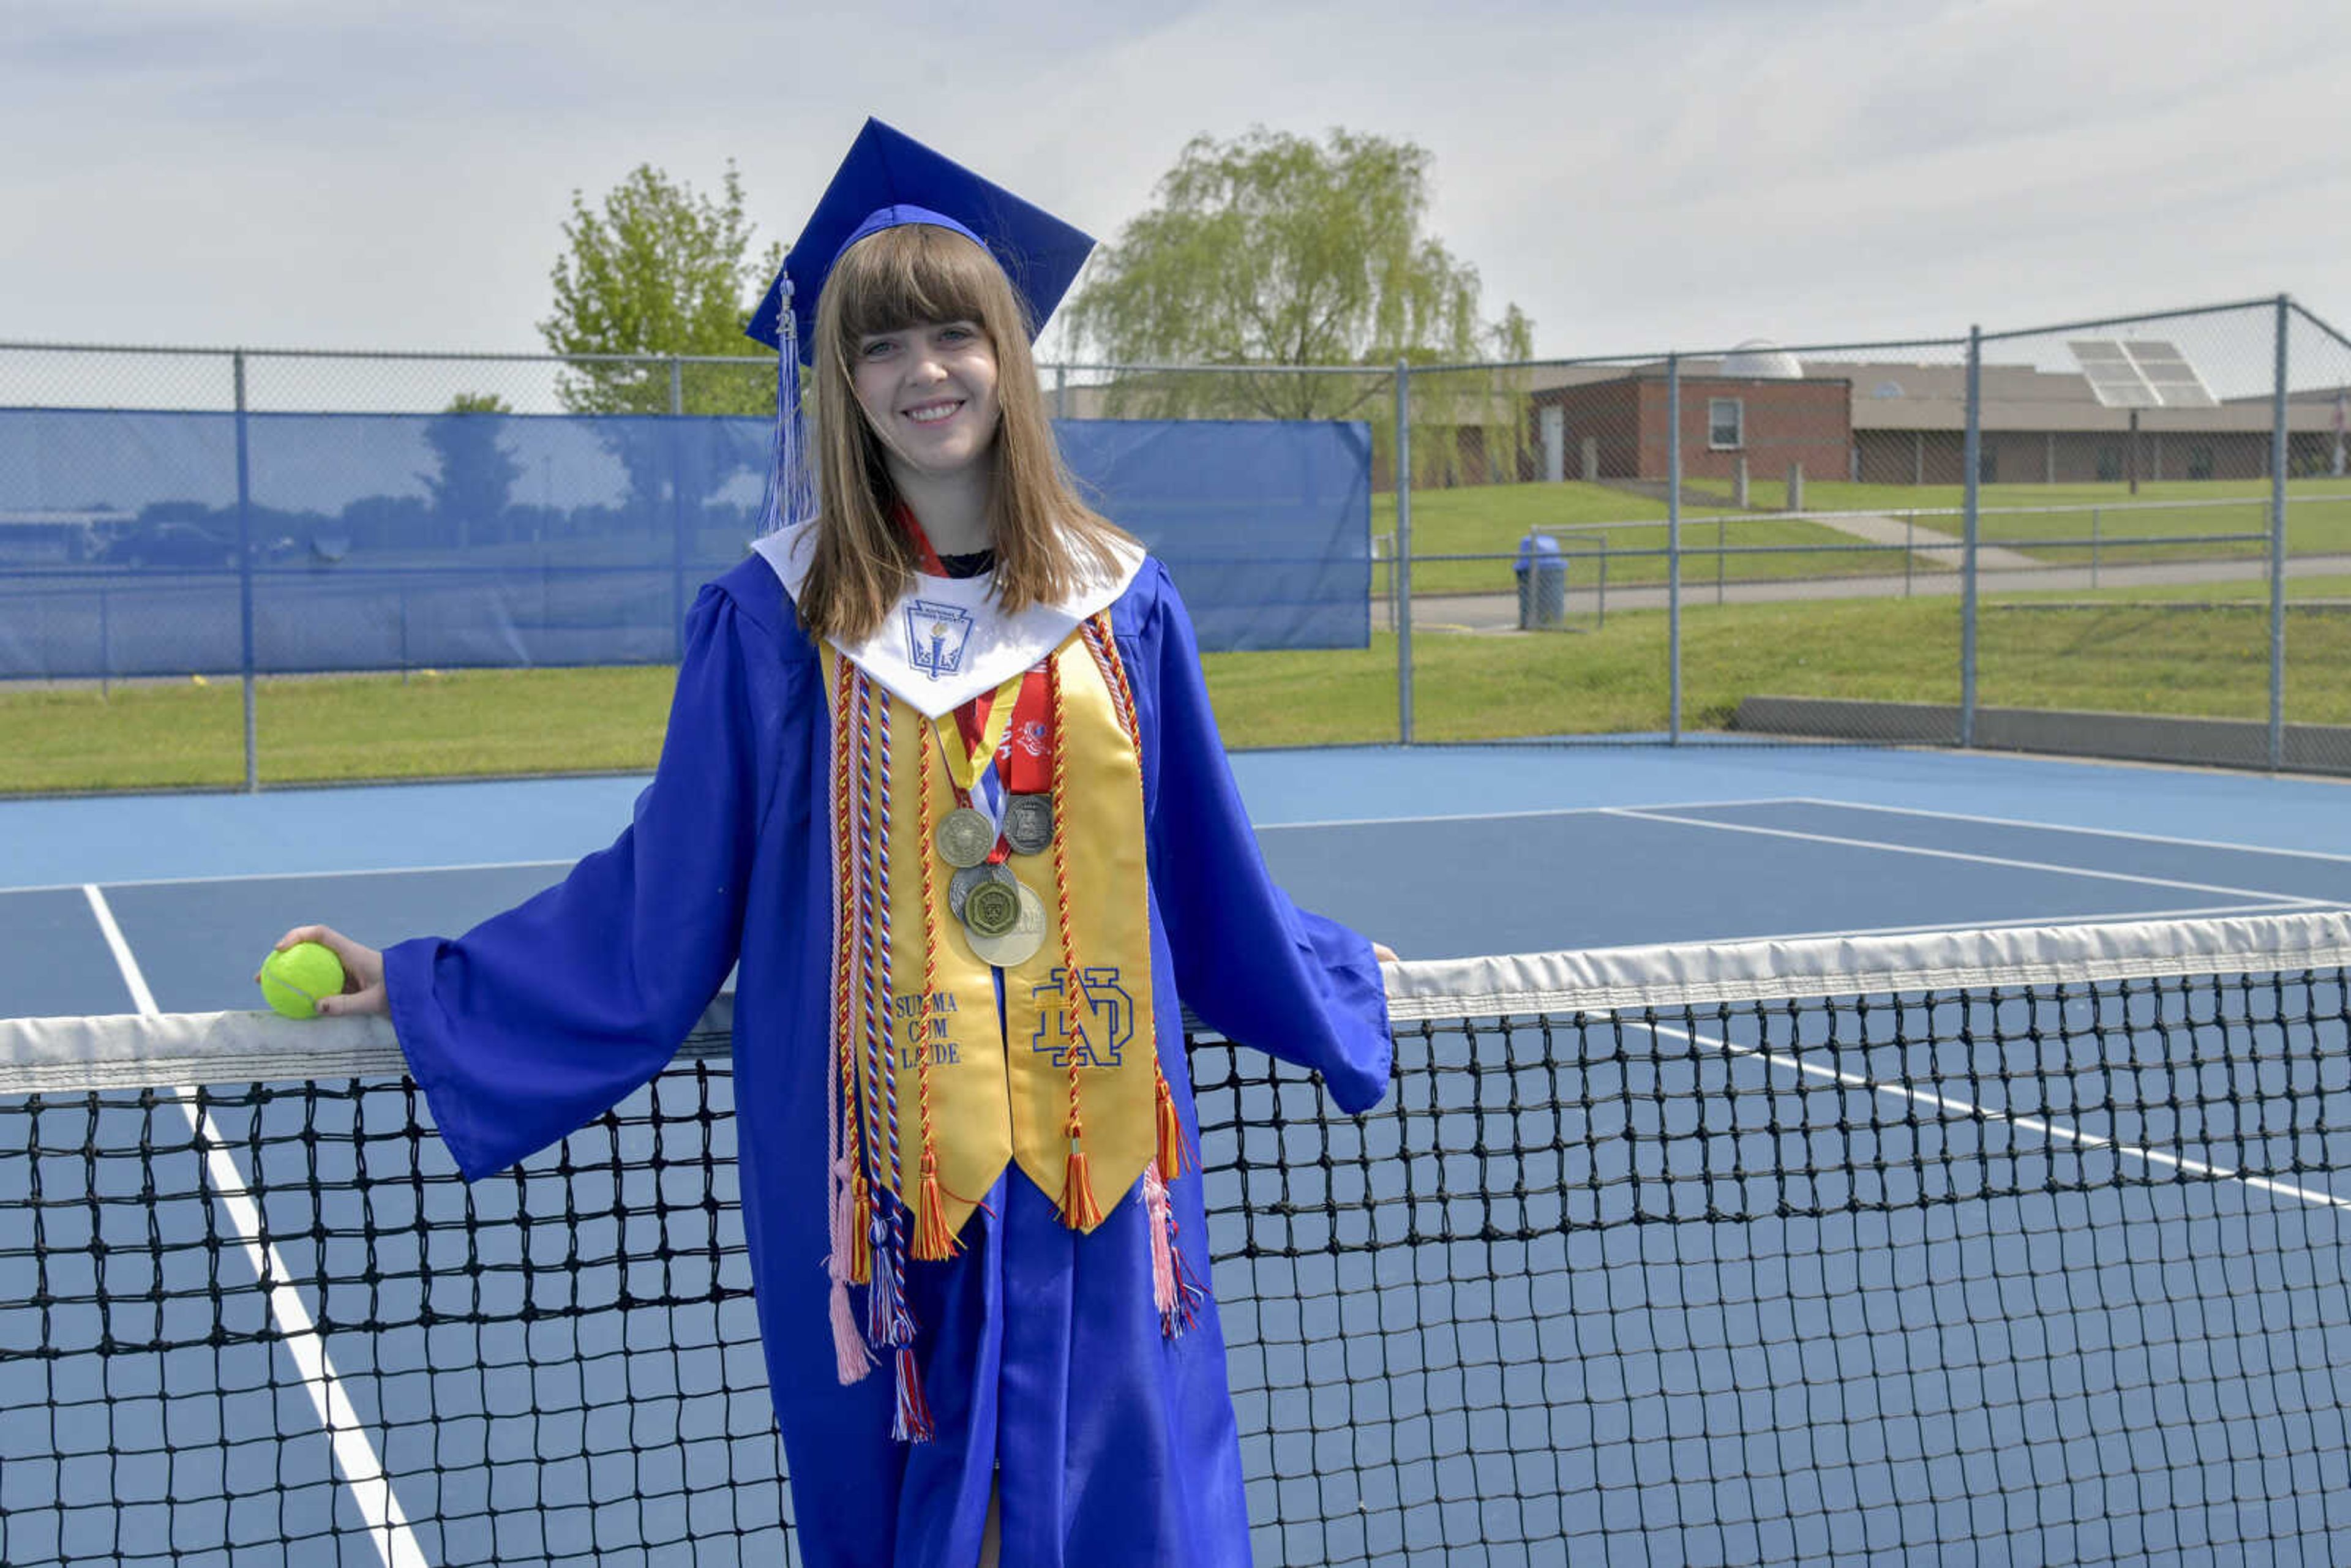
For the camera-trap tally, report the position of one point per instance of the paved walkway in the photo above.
(1499, 611)
(1942, 551)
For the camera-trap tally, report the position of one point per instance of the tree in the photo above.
(1275, 249)
(659, 269)
(474, 475)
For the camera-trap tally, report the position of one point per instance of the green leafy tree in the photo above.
(659, 269)
(474, 475)
(1275, 249)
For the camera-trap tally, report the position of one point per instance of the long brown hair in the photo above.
(1047, 541)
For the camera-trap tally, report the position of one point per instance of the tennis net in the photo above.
(2019, 1245)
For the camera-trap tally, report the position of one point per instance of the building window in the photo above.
(2200, 462)
(1725, 423)
(2110, 465)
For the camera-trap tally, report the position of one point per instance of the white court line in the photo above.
(1260, 827)
(1519, 816)
(2052, 827)
(355, 1456)
(2270, 894)
(1961, 1108)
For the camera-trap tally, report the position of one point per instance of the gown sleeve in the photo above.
(1252, 963)
(541, 1018)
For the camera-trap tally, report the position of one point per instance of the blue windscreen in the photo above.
(396, 541)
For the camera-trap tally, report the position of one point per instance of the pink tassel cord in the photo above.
(1162, 1253)
(850, 1360)
(1173, 1291)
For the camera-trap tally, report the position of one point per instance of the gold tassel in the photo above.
(933, 1242)
(1171, 1130)
(860, 1224)
(1078, 1210)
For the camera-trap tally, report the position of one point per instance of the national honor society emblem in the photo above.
(1099, 1040)
(936, 635)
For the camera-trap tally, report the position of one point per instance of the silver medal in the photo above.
(1028, 823)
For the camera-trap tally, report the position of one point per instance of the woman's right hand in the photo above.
(362, 971)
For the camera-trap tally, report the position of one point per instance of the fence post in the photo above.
(245, 578)
(1403, 564)
(1971, 457)
(1674, 549)
(2277, 548)
(677, 507)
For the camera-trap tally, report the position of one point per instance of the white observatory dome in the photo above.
(1761, 360)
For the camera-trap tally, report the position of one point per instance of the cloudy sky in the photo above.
(1680, 173)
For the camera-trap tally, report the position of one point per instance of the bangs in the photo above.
(917, 273)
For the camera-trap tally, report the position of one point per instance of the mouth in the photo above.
(933, 412)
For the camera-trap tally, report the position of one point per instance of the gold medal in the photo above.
(992, 908)
(964, 837)
(1018, 945)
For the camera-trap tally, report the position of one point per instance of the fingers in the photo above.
(356, 1003)
(1383, 952)
(357, 957)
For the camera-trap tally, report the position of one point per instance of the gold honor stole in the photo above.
(932, 1097)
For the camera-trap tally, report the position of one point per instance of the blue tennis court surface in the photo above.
(1443, 852)
(1696, 1289)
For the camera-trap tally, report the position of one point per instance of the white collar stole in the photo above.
(945, 641)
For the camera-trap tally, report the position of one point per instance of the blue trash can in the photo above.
(1542, 583)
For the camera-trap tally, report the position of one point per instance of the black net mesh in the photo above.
(2024, 1274)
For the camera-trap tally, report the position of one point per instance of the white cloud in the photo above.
(1634, 176)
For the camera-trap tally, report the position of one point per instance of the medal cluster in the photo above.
(1003, 918)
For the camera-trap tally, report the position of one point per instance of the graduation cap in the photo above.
(888, 180)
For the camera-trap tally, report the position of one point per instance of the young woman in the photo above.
(942, 774)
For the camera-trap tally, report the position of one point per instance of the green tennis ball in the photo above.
(293, 981)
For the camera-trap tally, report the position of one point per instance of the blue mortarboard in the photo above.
(888, 180)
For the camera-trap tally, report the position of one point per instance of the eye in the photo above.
(877, 348)
(956, 333)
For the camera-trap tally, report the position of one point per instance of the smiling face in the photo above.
(929, 392)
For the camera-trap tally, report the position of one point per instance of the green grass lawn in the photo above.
(2126, 655)
(2194, 649)
(152, 735)
(1475, 688)
(1489, 520)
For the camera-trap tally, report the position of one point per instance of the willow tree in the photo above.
(1275, 249)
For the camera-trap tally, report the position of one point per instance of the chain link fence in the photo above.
(2126, 538)
(2123, 538)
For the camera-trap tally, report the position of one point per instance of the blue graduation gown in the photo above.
(1040, 1349)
